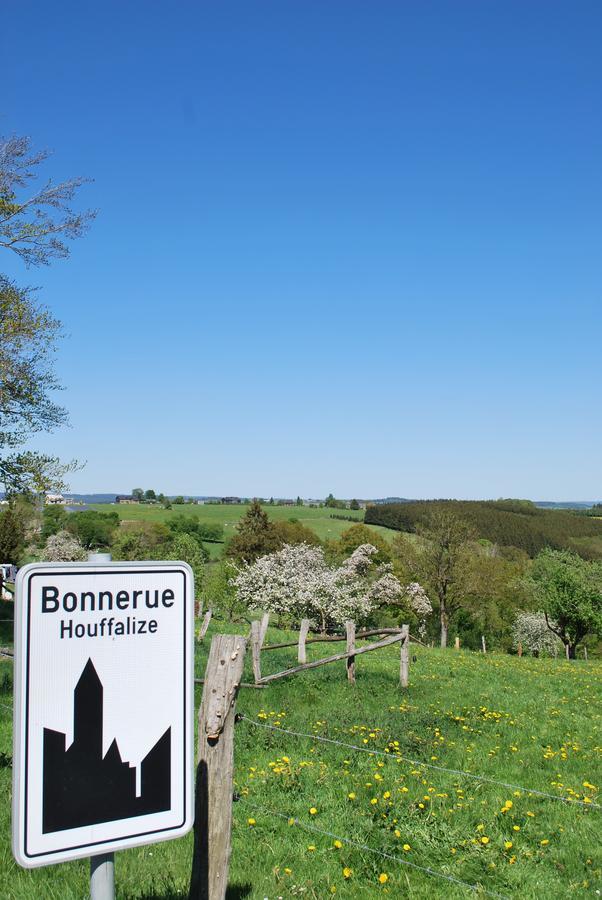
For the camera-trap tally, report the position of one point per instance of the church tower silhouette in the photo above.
(80, 787)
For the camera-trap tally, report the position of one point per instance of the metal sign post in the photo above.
(103, 713)
(102, 867)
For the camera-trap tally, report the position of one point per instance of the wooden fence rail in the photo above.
(392, 639)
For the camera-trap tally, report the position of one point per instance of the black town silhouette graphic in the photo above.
(81, 787)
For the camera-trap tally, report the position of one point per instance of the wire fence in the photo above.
(292, 820)
(398, 756)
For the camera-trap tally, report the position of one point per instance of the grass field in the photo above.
(528, 722)
(318, 520)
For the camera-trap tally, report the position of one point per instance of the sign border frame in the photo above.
(21, 712)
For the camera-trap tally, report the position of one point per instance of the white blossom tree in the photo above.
(532, 631)
(297, 581)
(63, 547)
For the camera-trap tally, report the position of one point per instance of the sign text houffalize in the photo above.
(103, 708)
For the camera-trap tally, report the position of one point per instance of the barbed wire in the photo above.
(382, 853)
(395, 755)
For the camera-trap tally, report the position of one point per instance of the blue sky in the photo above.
(345, 246)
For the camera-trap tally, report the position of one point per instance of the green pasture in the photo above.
(533, 723)
(319, 520)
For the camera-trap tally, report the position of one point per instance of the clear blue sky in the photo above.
(344, 246)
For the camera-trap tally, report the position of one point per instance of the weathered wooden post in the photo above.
(519, 649)
(213, 812)
(457, 644)
(566, 651)
(404, 665)
(585, 653)
(483, 644)
(204, 624)
(303, 631)
(256, 649)
(265, 621)
(350, 629)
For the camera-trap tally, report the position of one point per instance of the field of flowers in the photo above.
(309, 814)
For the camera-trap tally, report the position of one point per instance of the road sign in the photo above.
(103, 738)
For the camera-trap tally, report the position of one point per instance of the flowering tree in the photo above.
(297, 581)
(532, 631)
(63, 547)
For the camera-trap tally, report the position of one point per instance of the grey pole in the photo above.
(102, 867)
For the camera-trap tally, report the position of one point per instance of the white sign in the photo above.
(103, 739)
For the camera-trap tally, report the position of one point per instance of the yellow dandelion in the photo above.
(338, 844)
(484, 840)
(351, 796)
(516, 827)
(544, 843)
(288, 871)
(347, 872)
(383, 878)
(406, 847)
(507, 845)
(251, 822)
(311, 848)
(312, 811)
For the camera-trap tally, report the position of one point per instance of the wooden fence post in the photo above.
(483, 644)
(519, 649)
(303, 631)
(566, 651)
(350, 629)
(585, 653)
(256, 649)
(265, 621)
(213, 805)
(404, 665)
(457, 645)
(205, 624)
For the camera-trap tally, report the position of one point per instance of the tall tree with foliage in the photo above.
(443, 561)
(570, 593)
(255, 535)
(35, 224)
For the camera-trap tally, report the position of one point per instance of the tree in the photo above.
(12, 535)
(150, 495)
(63, 547)
(53, 521)
(37, 226)
(93, 529)
(140, 540)
(443, 561)
(354, 504)
(356, 535)
(255, 535)
(28, 338)
(299, 501)
(531, 630)
(138, 494)
(184, 547)
(570, 592)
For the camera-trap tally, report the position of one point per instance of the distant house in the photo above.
(54, 499)
(285, 502)
(125, 498)
(231, 500)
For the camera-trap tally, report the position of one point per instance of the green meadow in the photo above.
(319, 520)
(530, 723)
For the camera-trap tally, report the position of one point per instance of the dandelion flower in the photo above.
(251, 822)
(313, 811)
(311, 848)
(484, 840)
(406, 847)
(351, 796)
(338, 844)
(508, 845)
(347, 872)
(383, 878)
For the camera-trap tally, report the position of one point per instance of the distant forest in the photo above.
(508, 523)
